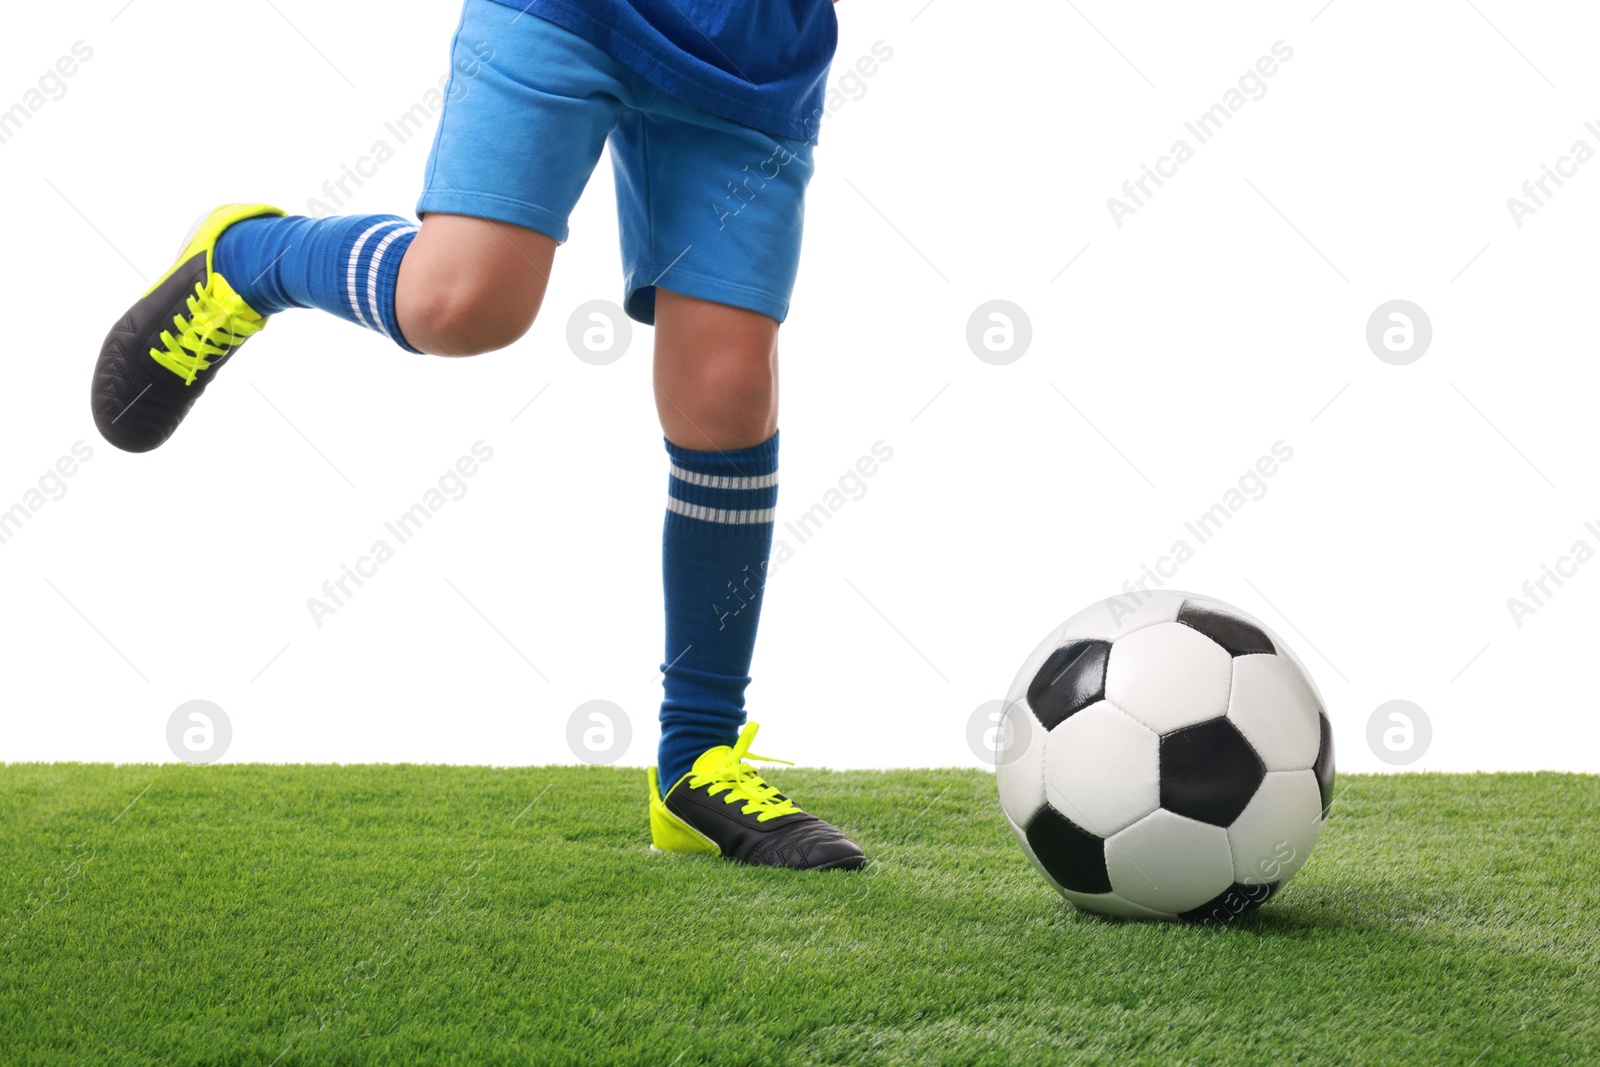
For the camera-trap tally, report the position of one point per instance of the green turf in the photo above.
(407, 915)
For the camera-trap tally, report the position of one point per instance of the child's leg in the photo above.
(460, 286)
(713, 211)
(716, 384)
(526, 117)
(716, 374)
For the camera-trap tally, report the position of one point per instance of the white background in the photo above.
(1229, 313)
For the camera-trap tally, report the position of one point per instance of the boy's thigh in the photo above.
(526, 115)
(708, 208)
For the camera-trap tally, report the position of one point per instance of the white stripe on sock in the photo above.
(372, 275)
(726, 516)
(350, 272)
(725, 481)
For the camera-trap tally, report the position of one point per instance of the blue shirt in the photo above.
(760, 63)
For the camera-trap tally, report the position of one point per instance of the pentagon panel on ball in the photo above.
(1209, 772)
(1173, 760)
(1071, 678)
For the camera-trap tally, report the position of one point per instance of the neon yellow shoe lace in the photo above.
(219, 320)
(740, 781)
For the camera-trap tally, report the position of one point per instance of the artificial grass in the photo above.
(287, 915)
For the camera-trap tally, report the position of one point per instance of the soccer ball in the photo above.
(1165, 758)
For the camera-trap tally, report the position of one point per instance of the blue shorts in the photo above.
(707, 208)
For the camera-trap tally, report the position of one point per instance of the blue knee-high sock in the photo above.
(715, 548)
(347, 265)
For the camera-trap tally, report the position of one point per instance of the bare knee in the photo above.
(739, 383)
(465, 317)
(469, 286)
(716, 372)
(729, 397)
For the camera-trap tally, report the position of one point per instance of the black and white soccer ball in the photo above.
(1166, 758)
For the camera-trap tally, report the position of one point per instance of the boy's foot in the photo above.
(722, 806)
(161, 355)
